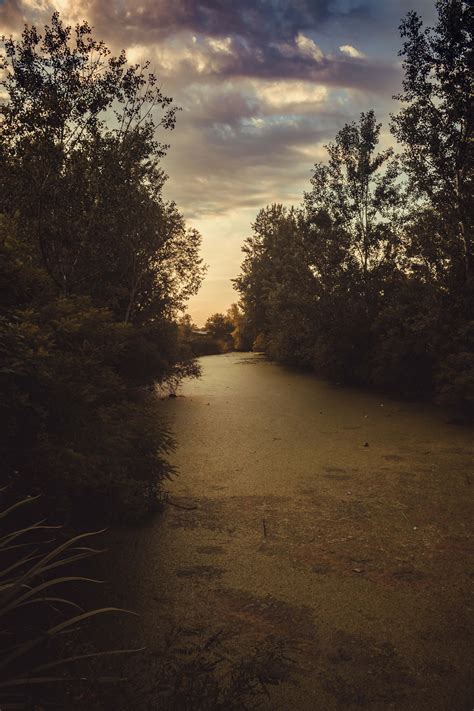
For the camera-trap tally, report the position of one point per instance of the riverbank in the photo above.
(323, 521)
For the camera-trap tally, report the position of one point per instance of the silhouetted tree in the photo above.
(436, 123)
(276, 286)
(219, 325)
(95, 270)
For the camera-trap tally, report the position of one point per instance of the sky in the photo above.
(262, 84)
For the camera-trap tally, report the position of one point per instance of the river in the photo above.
(327, 522)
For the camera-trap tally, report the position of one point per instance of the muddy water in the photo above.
(328, 521)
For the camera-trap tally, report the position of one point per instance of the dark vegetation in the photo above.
(39, 565)
(222, 333)
(95, 268)
(371, 280)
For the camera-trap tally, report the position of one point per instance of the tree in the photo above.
(87, 191)
(436, 122)
(435, 127)
(350, 223)
(219, 325)
(371, 281)
(240, 333)
(276, 286)
(95, 269)
(357, 200)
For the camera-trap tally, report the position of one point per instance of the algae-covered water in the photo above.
(321, 520)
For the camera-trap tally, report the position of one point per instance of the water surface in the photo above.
(330, 520)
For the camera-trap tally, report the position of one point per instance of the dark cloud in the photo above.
(254, 20)
(263, 36)
(211, 106)
(273, 62)
(11, 16)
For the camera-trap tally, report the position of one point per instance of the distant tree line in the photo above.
(221, 333)
(371, 279)
(95, 268)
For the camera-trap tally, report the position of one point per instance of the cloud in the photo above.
(195, 41)
(259, 92)
(11, 15)
(250, 144)
(308, 48)
(187, 61)
(221, 46)
(352, 51)
(290, 95)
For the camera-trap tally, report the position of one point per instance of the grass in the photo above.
(39, 614)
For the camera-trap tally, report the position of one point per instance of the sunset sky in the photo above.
(263, 85)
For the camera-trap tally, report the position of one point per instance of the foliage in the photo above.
(86, 194)
(435, 124)
(359, 199)
(219, 325)
(275, 284)
(221, 333)
(36, 607)
(95, 269)
(350, 221)
(370, 280)
(240, 333)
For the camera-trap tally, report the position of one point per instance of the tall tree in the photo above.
(357, 197)
(81, 173)
(436, 122)
(94, 269)
(276, 285)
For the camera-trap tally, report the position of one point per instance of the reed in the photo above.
(38, 613)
